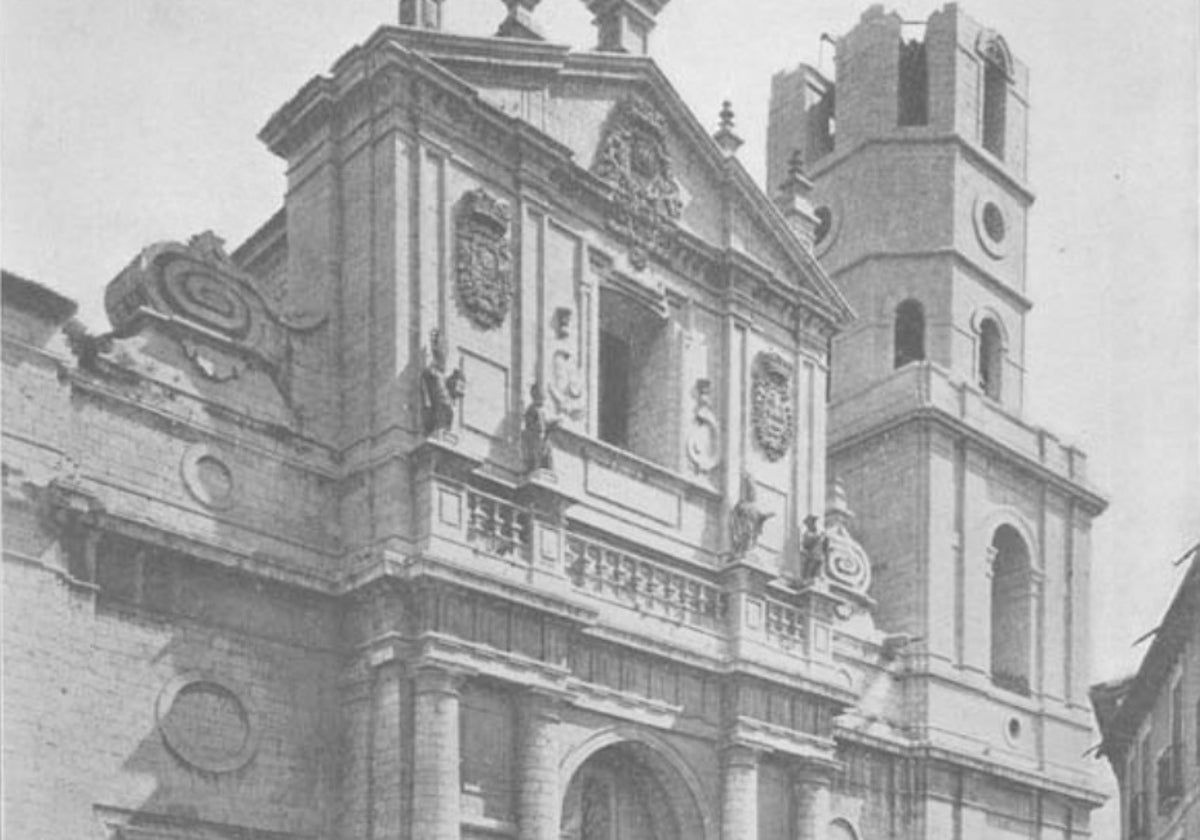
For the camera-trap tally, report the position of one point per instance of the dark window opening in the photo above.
(1011, 605)
(615, 360)
(822, 126)
(991, 358)
(909, 337)
(995, 100)
(913, 87)
(637, 409)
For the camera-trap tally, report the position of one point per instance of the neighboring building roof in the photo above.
(23, 293)
(1122, 704)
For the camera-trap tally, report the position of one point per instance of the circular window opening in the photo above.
(993, 222)
(824, 224)
(1014, 728)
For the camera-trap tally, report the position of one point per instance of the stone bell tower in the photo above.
(978, 521)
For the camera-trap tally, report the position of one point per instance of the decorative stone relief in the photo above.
(484, 264)
(773, 414)
(440, 390)
(207, 477)
(746, 520)
(704, 439)
(565, 388)
(633, 161)
(206, 724)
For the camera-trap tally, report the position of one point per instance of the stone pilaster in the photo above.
(812, 794)
(539, 796)
(739, 794)
(436, 783)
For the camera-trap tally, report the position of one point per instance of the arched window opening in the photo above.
(991, 358)
(909, 336)
(822, 126)
(995, 101)
(913, 87)
(1011, 597)
(624, 792)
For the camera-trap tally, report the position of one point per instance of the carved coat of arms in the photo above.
(632, 159)
(483, 261)
(773, 415)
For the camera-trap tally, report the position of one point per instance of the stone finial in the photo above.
(792, 198)
(837, 511)
(726, 139)
(625, 25)
(422, 14)
(519, 23)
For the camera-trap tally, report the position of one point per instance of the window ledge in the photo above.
(610, 454)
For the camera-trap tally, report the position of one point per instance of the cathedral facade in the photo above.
(482, 492)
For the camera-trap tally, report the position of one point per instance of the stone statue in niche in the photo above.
(483, 262)
(440, 390)
(535, 437)
(704, 439)
(746, 520)
(773, 414)
(566, 382)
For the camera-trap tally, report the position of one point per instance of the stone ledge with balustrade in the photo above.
(735, 615)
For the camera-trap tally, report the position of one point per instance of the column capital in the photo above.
(542, 703)
(434, 678)
(739, 754)
(809, 773)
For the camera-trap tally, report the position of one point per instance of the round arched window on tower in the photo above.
(824, 224)
(993, 222)
(991, 227)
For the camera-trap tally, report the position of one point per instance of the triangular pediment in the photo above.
(628, 127)
(628, 139)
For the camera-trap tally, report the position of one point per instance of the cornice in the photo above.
(835, 159)
(1018, 300)
(1094, 504)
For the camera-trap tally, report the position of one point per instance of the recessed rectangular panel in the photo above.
(485, 401)
(633, 494)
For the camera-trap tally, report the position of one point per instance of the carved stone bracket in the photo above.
(704, 438)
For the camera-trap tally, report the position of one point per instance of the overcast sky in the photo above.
(125, 122)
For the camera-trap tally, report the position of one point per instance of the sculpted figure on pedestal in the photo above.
(746, 520)
(535, 437)
(440, 389)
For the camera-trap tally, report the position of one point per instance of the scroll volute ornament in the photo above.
(483, 260)
(773, 412)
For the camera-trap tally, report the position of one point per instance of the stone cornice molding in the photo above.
(1091, 501)
(822, 167)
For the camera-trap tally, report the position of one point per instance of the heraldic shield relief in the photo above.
(633, 161)
(773, 413)
(484, 264)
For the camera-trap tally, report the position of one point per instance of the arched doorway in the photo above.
(626, 791)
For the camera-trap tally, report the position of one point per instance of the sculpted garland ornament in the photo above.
(773, 415)
(632, 160)
(484, 264)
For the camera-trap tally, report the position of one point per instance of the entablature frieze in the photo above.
(83, 517)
